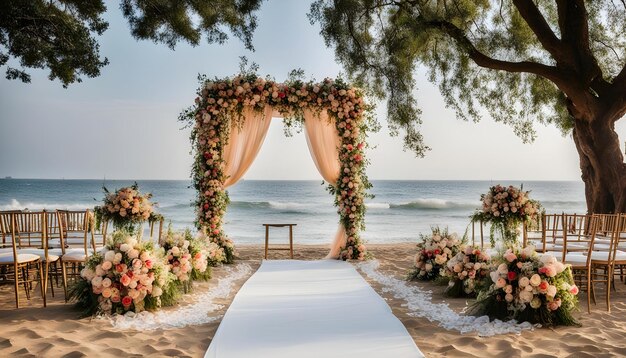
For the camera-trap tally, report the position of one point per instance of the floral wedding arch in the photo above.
(230, 119)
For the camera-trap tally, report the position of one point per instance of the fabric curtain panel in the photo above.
(244, 143)
(323, 141)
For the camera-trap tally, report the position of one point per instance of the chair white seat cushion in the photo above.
(41, 253)
(576, 259)
(596, 256)
(71, 241)
(21, 258)
(78, 256)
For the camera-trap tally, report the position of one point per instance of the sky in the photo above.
(123, 124)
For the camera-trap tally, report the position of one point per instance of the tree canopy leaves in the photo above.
(60, 35)
(519, 60)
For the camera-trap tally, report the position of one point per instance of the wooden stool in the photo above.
(267, 237)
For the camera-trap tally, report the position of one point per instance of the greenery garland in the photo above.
(220, 104)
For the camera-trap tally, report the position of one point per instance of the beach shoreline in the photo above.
(56, 331)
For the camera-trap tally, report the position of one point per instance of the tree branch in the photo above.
(540, 28)
(549, 72)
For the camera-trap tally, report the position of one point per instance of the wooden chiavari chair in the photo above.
(600, 262)
(16, 266)
(32, 238)
(77, 242)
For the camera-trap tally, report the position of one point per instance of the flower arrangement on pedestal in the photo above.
(127, 276)
(127, 208)
(526, 287)
(433, 253)
(507, 208)
(467, 271)
(220, 104)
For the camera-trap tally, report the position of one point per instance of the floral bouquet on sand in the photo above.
(466, 272)
(186, 258)
(433, 253)
(215, 254)
(127, 276)
(506, 208)
(225, 251)
(126, 208)
(526, 287)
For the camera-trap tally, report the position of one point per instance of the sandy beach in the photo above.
(56, 331)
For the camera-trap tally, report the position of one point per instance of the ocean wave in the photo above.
(284, 207)
(16, 205)
(378, 205)
(424, 204)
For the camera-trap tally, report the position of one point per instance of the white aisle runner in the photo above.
(310, 309)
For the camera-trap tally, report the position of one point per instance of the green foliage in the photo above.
(171, 21)
(58, 35)
(61, 35)
(483, 55)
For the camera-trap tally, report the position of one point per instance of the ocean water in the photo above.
(400, 211)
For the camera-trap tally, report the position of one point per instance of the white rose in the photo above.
(551, 291)
(124, 247)
(428, 267)
(523, 282)
(503, 269)
(106, 282)
(508, 297)
(96, 281)
(535, 280)
(133, 253)
(525, 296)
(110, 255)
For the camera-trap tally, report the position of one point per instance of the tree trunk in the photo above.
(602, 164)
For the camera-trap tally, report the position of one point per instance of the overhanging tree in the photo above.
(60, 35)
(560, 62)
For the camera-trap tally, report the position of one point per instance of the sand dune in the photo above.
(56, 332)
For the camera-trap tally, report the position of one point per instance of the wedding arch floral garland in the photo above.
(221, 102)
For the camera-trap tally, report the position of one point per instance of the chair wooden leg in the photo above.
(609, 278)
(64, 272)
(589, 288)
(42, 283)
(17, 286)
(25, 279)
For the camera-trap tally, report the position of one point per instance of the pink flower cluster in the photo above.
(179, 259)
(524, 280)
(222, 101)
(433, 253)
(508, 202)
(124, 275)
(129, 204)
(469, 266)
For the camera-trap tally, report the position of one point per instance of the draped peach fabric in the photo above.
(323, 141)
(244, 143)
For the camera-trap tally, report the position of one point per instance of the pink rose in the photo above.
(573, 290)
(554, 305)
(120, 268)
(148, 263)
(543, 286)
(510, 256)
(125, 280)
